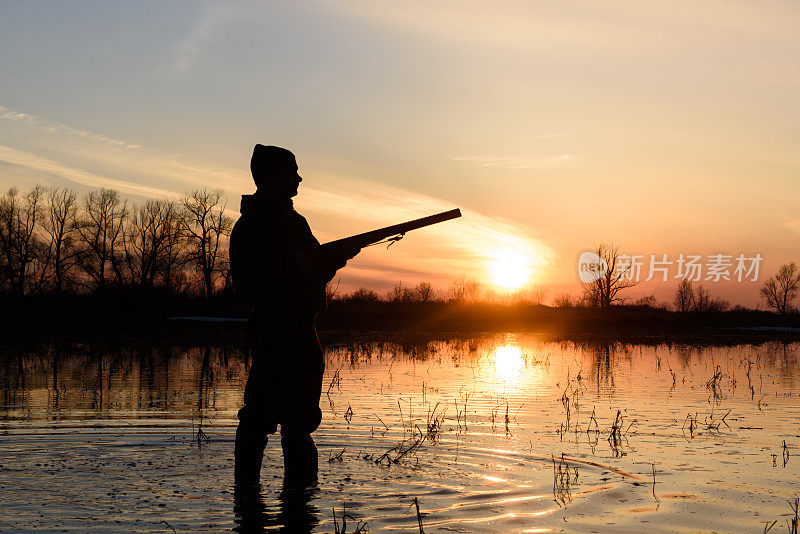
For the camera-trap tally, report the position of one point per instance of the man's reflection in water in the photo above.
(295, 512)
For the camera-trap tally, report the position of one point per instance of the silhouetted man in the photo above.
(278, 265)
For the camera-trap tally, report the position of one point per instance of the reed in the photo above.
(434, 424)
(419, 517)
(654, 484)
(360, 528)
(690, 423)
(399, 451)
(338, 457)
(785, 451)
(563, 480)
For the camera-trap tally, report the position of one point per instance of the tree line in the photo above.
(53, 241)
(461, 291)
(778, 292)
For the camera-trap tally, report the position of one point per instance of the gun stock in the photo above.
(375, 236)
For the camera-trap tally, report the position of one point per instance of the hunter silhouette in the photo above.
(280, 268)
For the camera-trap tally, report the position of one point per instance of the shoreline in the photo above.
(33, 320)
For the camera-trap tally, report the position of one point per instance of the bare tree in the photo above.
(702, 299)
(100, 230)
(780, 290)
(19, 216)
(684, 296)
(174, 256)
(206, 226)
(153, 242)
(59, 224)
(611, 279)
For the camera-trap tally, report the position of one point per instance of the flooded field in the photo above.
(494, 434)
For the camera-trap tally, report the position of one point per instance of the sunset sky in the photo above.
(666, 127)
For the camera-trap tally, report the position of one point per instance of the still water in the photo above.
(507, 433)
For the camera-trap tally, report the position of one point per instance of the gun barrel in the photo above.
(368, 238)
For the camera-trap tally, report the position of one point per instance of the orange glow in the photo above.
(509, 269)
(508, 362)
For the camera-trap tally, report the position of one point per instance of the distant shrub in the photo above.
(533, 297)
(565, 301)
(464, 290)
(424, 292)
(399, 293)
(362, 295)
(719, 305)
(647, 301)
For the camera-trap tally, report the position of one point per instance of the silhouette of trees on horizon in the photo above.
(779, 291)
(688, 298)
(460, 291)
(53, 241)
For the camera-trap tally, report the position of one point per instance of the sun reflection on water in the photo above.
(508, 362)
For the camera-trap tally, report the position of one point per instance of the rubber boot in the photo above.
(248, 452)
(300, 460)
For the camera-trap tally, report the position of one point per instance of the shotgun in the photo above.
(390, 233)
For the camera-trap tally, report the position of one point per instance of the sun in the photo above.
(509, 269)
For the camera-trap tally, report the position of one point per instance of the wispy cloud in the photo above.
(39, 166)
(96, 160)
(581, 26)
(524, 161)
(341, 205)
(190, 47)
(446, 251)
(34, 121)
(792, 224)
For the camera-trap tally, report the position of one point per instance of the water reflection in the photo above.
(487, 418)
(508, 362)
(295, 512)
(78, 381)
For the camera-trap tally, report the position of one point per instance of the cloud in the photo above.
(613, 27)
(35, 122)
(525, 161)
(95, 160)
(38, 165)
(341, 205)
(190, 48)
(446, 251)
(792, 224)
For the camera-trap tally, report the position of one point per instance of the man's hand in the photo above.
(350, 252)
(340, 255)
(334, 259)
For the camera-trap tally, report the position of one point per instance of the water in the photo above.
(495, 434)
